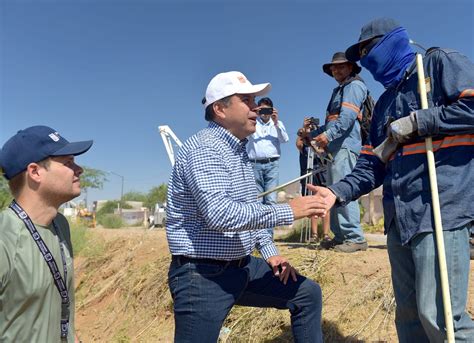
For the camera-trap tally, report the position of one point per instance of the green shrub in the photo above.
(295, 234)
(377, 228)
(79, 237)
(110, 207)
(111, 221)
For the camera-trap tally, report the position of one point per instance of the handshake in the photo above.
(316, 205)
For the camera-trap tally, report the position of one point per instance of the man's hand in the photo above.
(317, 149)
(299, 143)
(325, 197)
(322, 140)
(307, 206)
(275, 116)
(307, 123)
(282, 268)
(404, 129)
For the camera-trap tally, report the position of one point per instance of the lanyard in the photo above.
(53, 267)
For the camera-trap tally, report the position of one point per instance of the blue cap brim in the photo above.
(75, 148)
(352, 52)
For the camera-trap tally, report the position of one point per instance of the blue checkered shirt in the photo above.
(212, 206)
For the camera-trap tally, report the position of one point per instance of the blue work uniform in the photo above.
(342, 128)
(449, 120)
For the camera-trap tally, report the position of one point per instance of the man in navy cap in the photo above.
(384, 49)
(36, 269)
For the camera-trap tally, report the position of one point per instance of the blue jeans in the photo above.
(203, 295)
(266, 177)
(345, 220)
(416, 282)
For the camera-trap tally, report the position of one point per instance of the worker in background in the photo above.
(341, 137)
(384, 50)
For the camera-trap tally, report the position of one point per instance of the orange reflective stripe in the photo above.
(351, 106)
(447, 142)
(466, 93)
(367, 150)
(354, 108)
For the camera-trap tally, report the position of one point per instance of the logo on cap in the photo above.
(54, 136)
(242, 79)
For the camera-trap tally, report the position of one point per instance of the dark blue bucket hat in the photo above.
(34, 144)
(376, 28)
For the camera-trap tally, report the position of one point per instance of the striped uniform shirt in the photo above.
(342, 127)
(212, 206)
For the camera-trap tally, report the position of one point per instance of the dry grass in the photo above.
(124, 292)
(359, 310)
(123, 296)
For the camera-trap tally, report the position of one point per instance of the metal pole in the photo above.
(309, 181)
(121, 190)
(121, 196)
(448, 316)
(290, 182)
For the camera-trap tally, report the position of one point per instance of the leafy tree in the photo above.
(5, 195)
(92, 178)
(134, 196)
(155, 195)
(109, 207)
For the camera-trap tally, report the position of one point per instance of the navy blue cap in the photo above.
(34, 144)
(376, 28)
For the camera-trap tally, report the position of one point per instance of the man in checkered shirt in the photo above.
(214, 223)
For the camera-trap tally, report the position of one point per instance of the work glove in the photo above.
(386, 149)
(404, 129)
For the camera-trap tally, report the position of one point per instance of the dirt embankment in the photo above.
(122, 293)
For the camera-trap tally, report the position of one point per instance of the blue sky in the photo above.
(113, 71)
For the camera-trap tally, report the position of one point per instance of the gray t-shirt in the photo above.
(30, 304)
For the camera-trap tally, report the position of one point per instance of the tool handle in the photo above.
(448, 315)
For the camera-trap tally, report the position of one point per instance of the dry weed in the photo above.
(129, 301)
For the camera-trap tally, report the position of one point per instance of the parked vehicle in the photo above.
(159, 216)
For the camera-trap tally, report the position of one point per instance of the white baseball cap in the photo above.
(230, 83)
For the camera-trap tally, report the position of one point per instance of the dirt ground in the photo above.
(122, 293)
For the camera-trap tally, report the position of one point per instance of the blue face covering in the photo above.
(390, 58)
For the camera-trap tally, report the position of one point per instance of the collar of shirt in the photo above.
(224, 134)
(261, 122)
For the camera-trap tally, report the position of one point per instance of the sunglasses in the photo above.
(364, 48)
